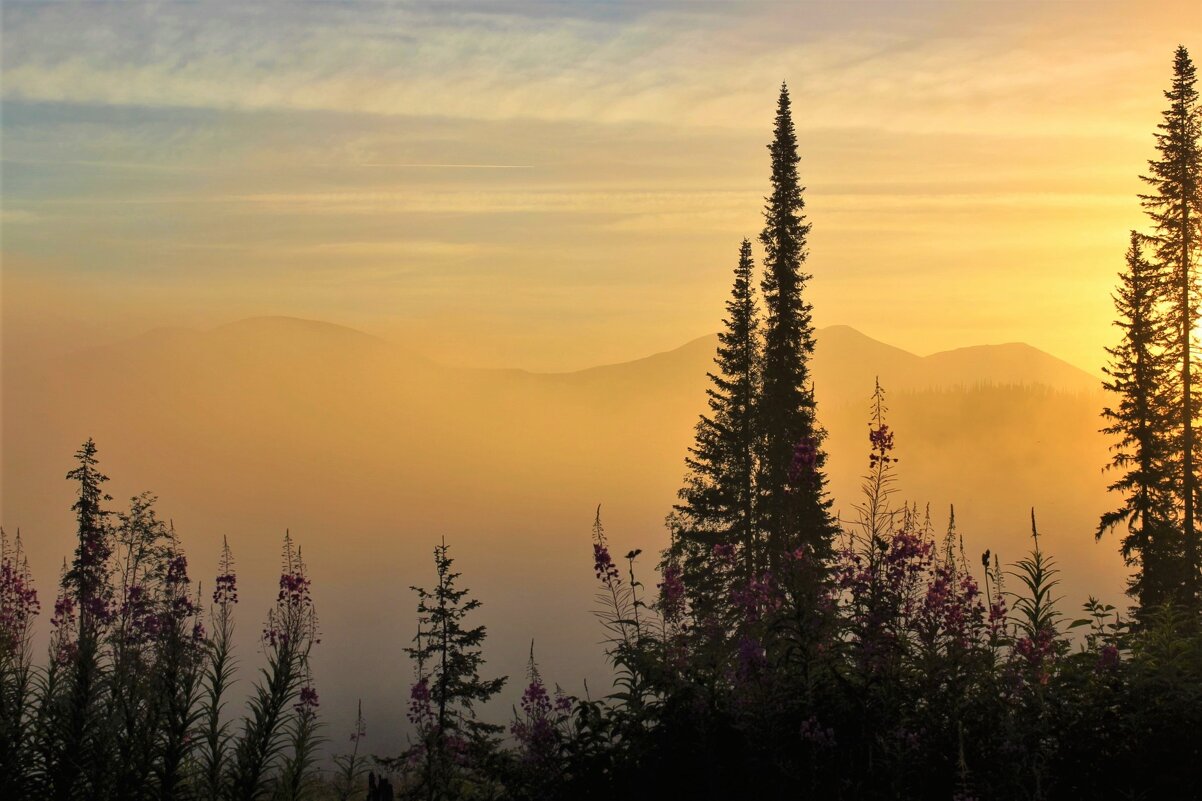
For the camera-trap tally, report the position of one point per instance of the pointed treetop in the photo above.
(1181, 58)
(1184, 77)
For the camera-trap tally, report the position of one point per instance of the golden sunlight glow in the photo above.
(378, 273)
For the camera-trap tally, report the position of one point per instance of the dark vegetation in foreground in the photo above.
(782, 653)
(886, 671)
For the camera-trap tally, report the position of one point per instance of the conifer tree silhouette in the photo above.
(449, 686)
(1175, 206)
(718, 498)
(1140, 374)
(793, 507)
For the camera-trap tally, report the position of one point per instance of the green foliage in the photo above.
(129, 704)
(219, 671)
(18, 608)
(1035, 607)
(278, 729)
(298, 771)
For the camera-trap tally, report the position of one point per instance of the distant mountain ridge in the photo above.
(845, 360)
(1008, 364)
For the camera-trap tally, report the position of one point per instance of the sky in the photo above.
(557, 185)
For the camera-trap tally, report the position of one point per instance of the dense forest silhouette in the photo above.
(780, 650)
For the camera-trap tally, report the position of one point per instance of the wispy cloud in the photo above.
(410, 248)
(667, 66)
(414, 166)
(19, 217)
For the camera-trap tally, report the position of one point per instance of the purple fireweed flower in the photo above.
(882, 443)
(951, 612)
(294, 589)
(896, 586)
(671, 592)
(18, 599)
(1108, 658)
(177, 570)
(182, 606)
(226, 591)
(421, 713)
(1037, 653)
(101, 609)
(274, 633)
(293, 616)
(997, 615)
(138, 611)
(458, 748)
(64, 651)
(759, 595)
(563, 702)
(64, 612)
(360, 731)
(534, 729)
(603, 563)
(881, 438)
(751, 658)
(307, 699)
(62, 644)
(814, 732)
(805, 459)
(535, 700)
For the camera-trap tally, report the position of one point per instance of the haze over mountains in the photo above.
(369, 453)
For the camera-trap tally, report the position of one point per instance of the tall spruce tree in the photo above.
(1175, 207)
(718, 498)
(1142, 418)
(793, 507)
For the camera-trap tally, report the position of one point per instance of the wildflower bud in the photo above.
(805, 459)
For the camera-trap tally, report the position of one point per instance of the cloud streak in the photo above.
(668, 66)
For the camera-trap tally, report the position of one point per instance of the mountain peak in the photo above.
(291, 326)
